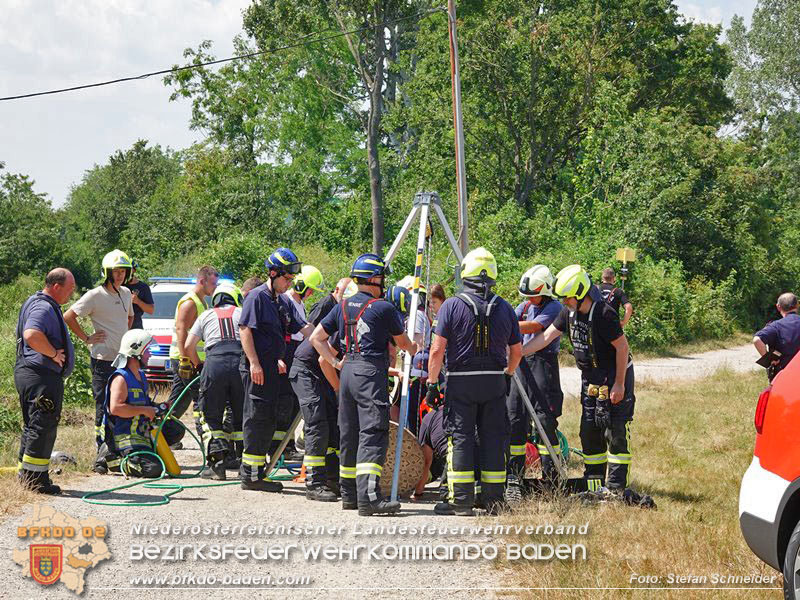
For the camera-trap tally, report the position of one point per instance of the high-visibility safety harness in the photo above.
(351, 337)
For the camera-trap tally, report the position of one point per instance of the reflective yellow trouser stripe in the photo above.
(543, 451)
(347, 472)
(278, 435)
(237, 436)
(314, 461)
(595, 459)
(369, 469)
(31, 463)
(518, 450)
(253, 460)
(493, 476)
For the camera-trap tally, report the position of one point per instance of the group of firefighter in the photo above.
(254, 359)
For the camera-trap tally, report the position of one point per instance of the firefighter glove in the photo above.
(602, 413)
(434, 397)
(185, 368)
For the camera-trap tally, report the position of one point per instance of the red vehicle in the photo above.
(769, 497)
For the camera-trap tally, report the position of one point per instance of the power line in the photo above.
(418, 16)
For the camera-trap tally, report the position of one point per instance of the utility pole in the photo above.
(458, 124)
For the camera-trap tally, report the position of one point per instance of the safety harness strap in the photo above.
(350, 327)
(482, 313)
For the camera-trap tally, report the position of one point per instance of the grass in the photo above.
(691, 445)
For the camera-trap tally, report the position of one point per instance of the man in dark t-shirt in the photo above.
(607, 397)
(781, 336)
(141, 297)
(615, 296)
(363, 326)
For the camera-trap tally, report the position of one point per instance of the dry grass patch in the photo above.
(691, 445)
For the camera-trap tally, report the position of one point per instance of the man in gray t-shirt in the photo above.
(110, 308)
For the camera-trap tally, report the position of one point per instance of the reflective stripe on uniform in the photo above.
(619, 459)
(347, 472)
(254, 460)
(461, 373)
(369, 469)
(313, 461)
(237, 436)
(595, 459)
(594, 484)
(493, 476)
(543, 451)
(31, 463)
(518, 450)
(333, 451)
(278, 435)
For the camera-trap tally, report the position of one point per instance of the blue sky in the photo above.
(47, 44)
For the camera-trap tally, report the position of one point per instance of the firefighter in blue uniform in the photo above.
(268, 318)
(540, 377)
(479, 334)
(129, 412)
(364, 324)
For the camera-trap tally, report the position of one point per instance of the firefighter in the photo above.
(129, 412)
(220, 383)
(539, 374)
(190, 306)
(268, 318)
(304, 285)
(319, 405)
(478, 333)
(364, 323)
(45, 357)
(607, 395)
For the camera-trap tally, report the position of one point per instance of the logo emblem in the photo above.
(46, 562)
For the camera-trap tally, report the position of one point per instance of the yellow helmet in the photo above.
(479, 264)
(309, 277)
(116, 259)
(408, 283)
(233, 292)
(572, 282)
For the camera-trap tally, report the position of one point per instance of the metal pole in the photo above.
(412, 321)
(458, 123)
(557, 458)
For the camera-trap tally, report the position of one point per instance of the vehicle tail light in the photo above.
(761, 408)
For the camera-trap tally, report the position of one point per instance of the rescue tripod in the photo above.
(422, 205)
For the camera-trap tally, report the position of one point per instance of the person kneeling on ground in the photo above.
(129, 412)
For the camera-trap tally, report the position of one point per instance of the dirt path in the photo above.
(739, 359)
(229, 505)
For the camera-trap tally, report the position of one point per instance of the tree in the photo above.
(766, 78)
(28, 229)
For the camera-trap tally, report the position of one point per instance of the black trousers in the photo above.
(363, 427)
(258, 420)
(220, 387)
(286, 409)
(41, 396)
(173, 432)
(141, 465)
(475, 402)
(540, 377)
(319, 407)
(607, 448)
(101, 371)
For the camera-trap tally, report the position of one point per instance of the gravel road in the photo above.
(228, 506)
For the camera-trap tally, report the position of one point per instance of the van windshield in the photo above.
(165, 303)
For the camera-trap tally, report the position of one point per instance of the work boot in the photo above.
(39, 483)
(320, 494)
(176, 446)
(262, 485)
(231, 462)
(215, 471)
(349, 505)
(380, 507)
(513, 491)
(333, 486)
(446, 509)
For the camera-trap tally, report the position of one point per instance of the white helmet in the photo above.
(537, 281)
(133, 343)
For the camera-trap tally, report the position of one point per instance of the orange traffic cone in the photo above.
(301, 477)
